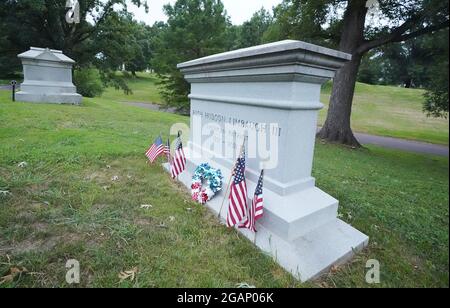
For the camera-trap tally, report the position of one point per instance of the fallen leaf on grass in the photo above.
(23, 164)
(171, 218)
(12, 274)
(162, 226)
(4, 193)
(130, 274)
(334, 269)
(115, 178)
(146, 206)
(244, 285)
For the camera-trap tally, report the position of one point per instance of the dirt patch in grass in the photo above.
(33, 244)
(98, 208)
(99, 177)
(26, 216)
(37, 188)
(38, 205)
(145, 221)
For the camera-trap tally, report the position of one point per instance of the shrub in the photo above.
(88, 82)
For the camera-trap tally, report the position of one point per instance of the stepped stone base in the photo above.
(301, 231)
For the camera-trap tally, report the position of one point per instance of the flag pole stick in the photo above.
(229, 182)
(226, 193)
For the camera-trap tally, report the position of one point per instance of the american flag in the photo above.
(156, 150)
(179, 159)
(257, 210)
(237, 209)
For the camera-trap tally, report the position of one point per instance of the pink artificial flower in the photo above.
(195, 196)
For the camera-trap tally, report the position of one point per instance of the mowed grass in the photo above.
(378, 110)
(393, 112)
(65, 205)
(145, 90)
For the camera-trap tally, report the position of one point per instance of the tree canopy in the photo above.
(104, 37)
(396, 42)
(355, 27)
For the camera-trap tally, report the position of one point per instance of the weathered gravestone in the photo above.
(47, 77)
(273, 89)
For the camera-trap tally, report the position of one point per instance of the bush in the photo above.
(88, 82)
(436, 97)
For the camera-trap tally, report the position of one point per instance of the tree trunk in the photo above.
(337, 127)
(408, 83)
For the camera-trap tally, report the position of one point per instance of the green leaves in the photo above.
(196, 28)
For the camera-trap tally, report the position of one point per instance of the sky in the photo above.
(238, 10)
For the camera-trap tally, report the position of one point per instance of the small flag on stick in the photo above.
(237, 209)
(156, 150)
(179, 159)
(257, 209)
(167, 151)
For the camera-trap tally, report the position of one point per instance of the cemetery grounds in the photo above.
(74, 184)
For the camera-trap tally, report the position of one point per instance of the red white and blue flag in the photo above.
(256, 211)
(237, 208)
(157, 149)
(179, 159)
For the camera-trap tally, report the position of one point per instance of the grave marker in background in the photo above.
(47, 77)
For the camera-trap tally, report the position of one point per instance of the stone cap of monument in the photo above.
(45, 54)
(285, 60)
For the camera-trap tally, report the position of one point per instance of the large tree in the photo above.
(195, 29)
(436, 102)
(42, 23)
(349, 26)
(142, 48)
(251, 32)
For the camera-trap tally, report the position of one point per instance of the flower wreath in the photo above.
(213, 178)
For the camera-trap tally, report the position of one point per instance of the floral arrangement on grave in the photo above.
(206, 183)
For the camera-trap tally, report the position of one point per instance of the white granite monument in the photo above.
(279, 84)
(47, 77)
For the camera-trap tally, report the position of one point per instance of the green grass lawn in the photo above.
(144, 87)
(64, 205)
(378, 110)
(393, 112)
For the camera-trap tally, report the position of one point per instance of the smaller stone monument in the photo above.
(47, 78)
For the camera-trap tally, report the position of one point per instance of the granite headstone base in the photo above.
(299, 231)
(60, 98)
